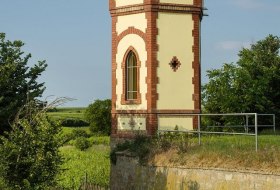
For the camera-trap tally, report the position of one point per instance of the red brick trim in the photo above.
(112, 4)
(130, 30)
(124, 100)
(114, 68)
(144, 112)
(196, 67)
(156, 7)
(152, 64)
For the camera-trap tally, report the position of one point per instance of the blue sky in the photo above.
(74, 37)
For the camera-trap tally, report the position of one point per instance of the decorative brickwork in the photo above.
(175, 64)
(196, 67)
(151, 8)
(152, 64)
(131, 30)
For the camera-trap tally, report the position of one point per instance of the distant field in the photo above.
(62, 113)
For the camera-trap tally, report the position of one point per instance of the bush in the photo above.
(76, 133)
(96, 140)
(98, 114)
(29, 153)
(82, 143)
(140, 147)
(74, 122)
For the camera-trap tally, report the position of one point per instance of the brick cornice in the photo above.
(144, 112)
(156, 7)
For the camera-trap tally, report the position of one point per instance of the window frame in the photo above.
(124, 98)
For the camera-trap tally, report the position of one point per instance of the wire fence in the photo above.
(246, 132)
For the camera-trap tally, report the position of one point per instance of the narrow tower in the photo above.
(155, 65)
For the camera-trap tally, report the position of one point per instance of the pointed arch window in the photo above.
(131, 65)
(131, 76)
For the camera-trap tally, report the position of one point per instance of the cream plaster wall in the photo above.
(124, 123)
(139, 45)
(138, 21)
(175, 89)
(171, 123)
(188, 2)
(120, 3)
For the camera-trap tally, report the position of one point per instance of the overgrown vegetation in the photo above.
(217, 151)
(85, 154)
(29, 153)
(93, 163)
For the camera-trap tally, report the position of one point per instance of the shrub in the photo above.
(29, 153)
(96, 140)
(140, 146)
(82, 143)
(98, 114)
(74, 122)
(76, 133)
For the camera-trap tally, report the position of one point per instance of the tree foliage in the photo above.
(98, 114)
(18, 82)
(252, 85)
(29, 155)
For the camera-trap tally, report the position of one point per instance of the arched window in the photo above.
(131, 76)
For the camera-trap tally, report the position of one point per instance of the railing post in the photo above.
(256, 131)
(199, 134)
(274, 123)
(247, 123)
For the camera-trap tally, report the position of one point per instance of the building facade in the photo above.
(155, 65)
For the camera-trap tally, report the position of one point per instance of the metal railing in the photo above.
(200, 132)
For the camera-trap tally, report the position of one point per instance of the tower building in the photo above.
(155, 65)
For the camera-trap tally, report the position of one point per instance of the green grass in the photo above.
(63, 113)
(215, 151)
(68, 130)
(94, 163)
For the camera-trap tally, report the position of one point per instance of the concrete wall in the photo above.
(128, 174)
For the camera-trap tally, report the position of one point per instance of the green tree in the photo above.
(98, 114)
(29, 153)
(250, 85)
(18, 82)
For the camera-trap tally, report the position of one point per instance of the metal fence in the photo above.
(246, 126)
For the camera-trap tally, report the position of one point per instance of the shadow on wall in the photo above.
(128, 174)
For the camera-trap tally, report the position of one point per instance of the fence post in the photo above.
(256, 130)
(274, 123)
(199, 134)
(247, 123)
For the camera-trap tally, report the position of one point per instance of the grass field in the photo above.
(63, 113)
(94, 162)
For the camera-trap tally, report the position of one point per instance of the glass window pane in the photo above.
(131, 76)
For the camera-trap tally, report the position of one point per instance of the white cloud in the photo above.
(232, 45)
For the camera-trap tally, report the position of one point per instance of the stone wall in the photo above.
(128, 174)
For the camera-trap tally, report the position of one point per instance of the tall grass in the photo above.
(94, 163)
